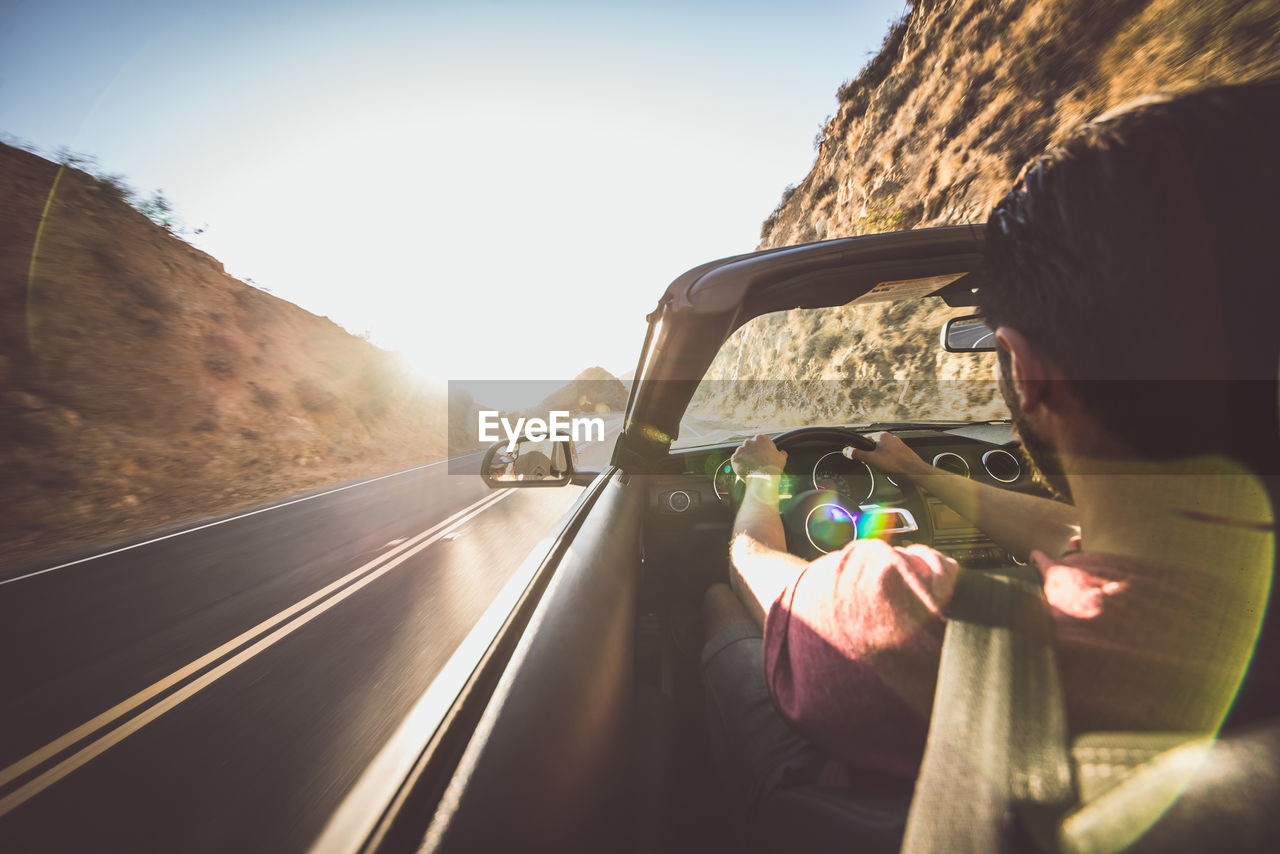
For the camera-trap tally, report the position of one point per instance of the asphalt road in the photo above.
(223, 689)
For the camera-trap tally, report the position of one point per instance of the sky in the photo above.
(496, 190)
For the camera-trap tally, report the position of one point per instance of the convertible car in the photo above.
(581, 726)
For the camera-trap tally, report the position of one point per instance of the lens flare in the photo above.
(874, 525)
(830, 527)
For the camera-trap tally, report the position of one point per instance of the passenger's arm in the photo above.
(761, 566)
(1015, 521)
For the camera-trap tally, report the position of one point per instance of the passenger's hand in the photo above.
(892, 456)
(758, 454)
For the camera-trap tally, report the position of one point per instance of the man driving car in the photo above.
(1129, 284)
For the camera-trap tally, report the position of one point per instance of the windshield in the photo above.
(852, 365)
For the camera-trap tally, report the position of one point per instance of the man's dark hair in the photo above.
(1140, 256)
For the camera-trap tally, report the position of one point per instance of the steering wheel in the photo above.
(838, 435)
(799, 518)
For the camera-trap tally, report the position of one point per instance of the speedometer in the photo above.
(851, 479)
(724, 480)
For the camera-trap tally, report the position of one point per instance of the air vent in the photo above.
(953, 463)
(1002, 465)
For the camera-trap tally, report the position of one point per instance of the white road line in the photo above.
(351, 823)
(58, 745)
(97, 748)
(697, 434)
(231, 519)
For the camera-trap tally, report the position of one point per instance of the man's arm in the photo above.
(761, 565)
(1018, 522)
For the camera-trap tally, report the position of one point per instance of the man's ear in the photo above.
(1030, 374)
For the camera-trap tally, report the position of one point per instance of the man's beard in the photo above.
(1040, 456)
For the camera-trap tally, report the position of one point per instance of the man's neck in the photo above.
(1193, 514)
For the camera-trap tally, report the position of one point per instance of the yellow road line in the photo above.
(55, 747)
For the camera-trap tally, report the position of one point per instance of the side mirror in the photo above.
(545, 463)
(968, 334)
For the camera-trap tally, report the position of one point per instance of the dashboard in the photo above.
(828, 500)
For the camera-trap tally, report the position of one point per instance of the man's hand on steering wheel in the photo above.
(892, 456)
(758, 454)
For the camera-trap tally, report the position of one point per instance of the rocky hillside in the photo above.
(141, 386)
(595, 390)
(934, 131)
(964, 92)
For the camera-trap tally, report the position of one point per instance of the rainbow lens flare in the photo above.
(830, 527)
(875, 524)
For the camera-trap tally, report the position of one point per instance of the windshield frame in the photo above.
(701, 308)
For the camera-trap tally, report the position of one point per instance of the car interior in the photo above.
(585, 729)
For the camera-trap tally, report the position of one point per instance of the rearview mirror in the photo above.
(968, 334)
(546, 463)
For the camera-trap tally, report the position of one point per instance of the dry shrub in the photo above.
(267, 398)
(222, 356)
(315, 398)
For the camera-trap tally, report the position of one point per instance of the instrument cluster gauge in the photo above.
(726, 482)
(852, 480)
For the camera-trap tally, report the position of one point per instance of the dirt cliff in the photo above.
(935, 129)
(141, 386)
(595, 390)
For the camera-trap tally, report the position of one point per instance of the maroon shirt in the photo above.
(851, 646)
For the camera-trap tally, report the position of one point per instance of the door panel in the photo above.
(547, 768)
